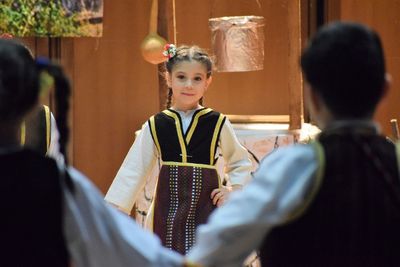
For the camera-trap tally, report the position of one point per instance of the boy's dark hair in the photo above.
(19, 86)
(344, 64)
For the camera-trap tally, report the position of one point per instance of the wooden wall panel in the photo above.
(383, 16)
(115, 90)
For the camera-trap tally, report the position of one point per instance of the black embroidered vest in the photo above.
(35, 131)
(31, 211)
(354, 218)
(187, 176)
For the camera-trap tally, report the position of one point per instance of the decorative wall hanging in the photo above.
(238, 43)
(52, 18)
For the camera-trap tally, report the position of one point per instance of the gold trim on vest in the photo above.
(188, 164)
(180, 134)
(48, 128)
(316, 183)
(154, 133)
(214, 139)
(194, 124)
(23, 133)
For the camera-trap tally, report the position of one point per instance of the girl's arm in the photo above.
(131, 176)
(238, 165)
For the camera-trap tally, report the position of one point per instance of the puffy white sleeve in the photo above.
(99, 235)
(240, 225)
(136, 167)
(54, 147)
(238, 165)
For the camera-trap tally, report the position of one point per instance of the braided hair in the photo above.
(62, 94)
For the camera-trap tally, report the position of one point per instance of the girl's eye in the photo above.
(198, 79)
(180, 77)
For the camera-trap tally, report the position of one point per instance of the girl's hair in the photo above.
(62, 94)
(188, 53)
(20, 85)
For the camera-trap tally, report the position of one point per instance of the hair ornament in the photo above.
(169, 51)
(42, 62)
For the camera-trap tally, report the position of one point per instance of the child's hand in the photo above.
(220, 195)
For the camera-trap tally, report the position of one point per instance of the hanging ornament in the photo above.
(152, 46)
(238, 43)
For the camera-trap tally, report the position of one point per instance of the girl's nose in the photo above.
(189, 84)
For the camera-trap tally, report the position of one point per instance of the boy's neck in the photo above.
(9, 134)
(352, 123)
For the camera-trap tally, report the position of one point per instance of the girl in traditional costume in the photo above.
(186, 140)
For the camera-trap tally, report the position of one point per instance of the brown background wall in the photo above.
(115, 90)
(383, 16)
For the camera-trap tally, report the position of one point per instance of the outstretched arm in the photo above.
(238, 227)
(98, 235)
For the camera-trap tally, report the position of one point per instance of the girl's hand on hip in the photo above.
(220, 195)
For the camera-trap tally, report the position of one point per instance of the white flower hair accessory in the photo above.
(169, 51)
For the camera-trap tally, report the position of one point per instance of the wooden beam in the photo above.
(331, 10)
(294, 72)
(165, 30)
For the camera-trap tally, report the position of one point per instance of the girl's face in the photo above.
(189, 82)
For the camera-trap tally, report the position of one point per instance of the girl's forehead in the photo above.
(192, 66)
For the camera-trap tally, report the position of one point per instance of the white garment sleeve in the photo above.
(99, 235)
(240, 225)
(238, 165)
(54, 147)
(136, 167)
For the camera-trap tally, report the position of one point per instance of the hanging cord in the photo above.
(174, 20)
(213, 7)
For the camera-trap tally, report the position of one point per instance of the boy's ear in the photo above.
(315, 99)
(387, 84)
(313, 102)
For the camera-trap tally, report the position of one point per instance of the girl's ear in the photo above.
(168, 78)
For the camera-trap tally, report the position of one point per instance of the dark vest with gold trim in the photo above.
(35, 131)
(187, 176)
(31, 211)
(354, 217)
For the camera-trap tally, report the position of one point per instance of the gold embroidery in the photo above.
(214, 139)
(154, 133)
(194, 124)
(179, 132)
